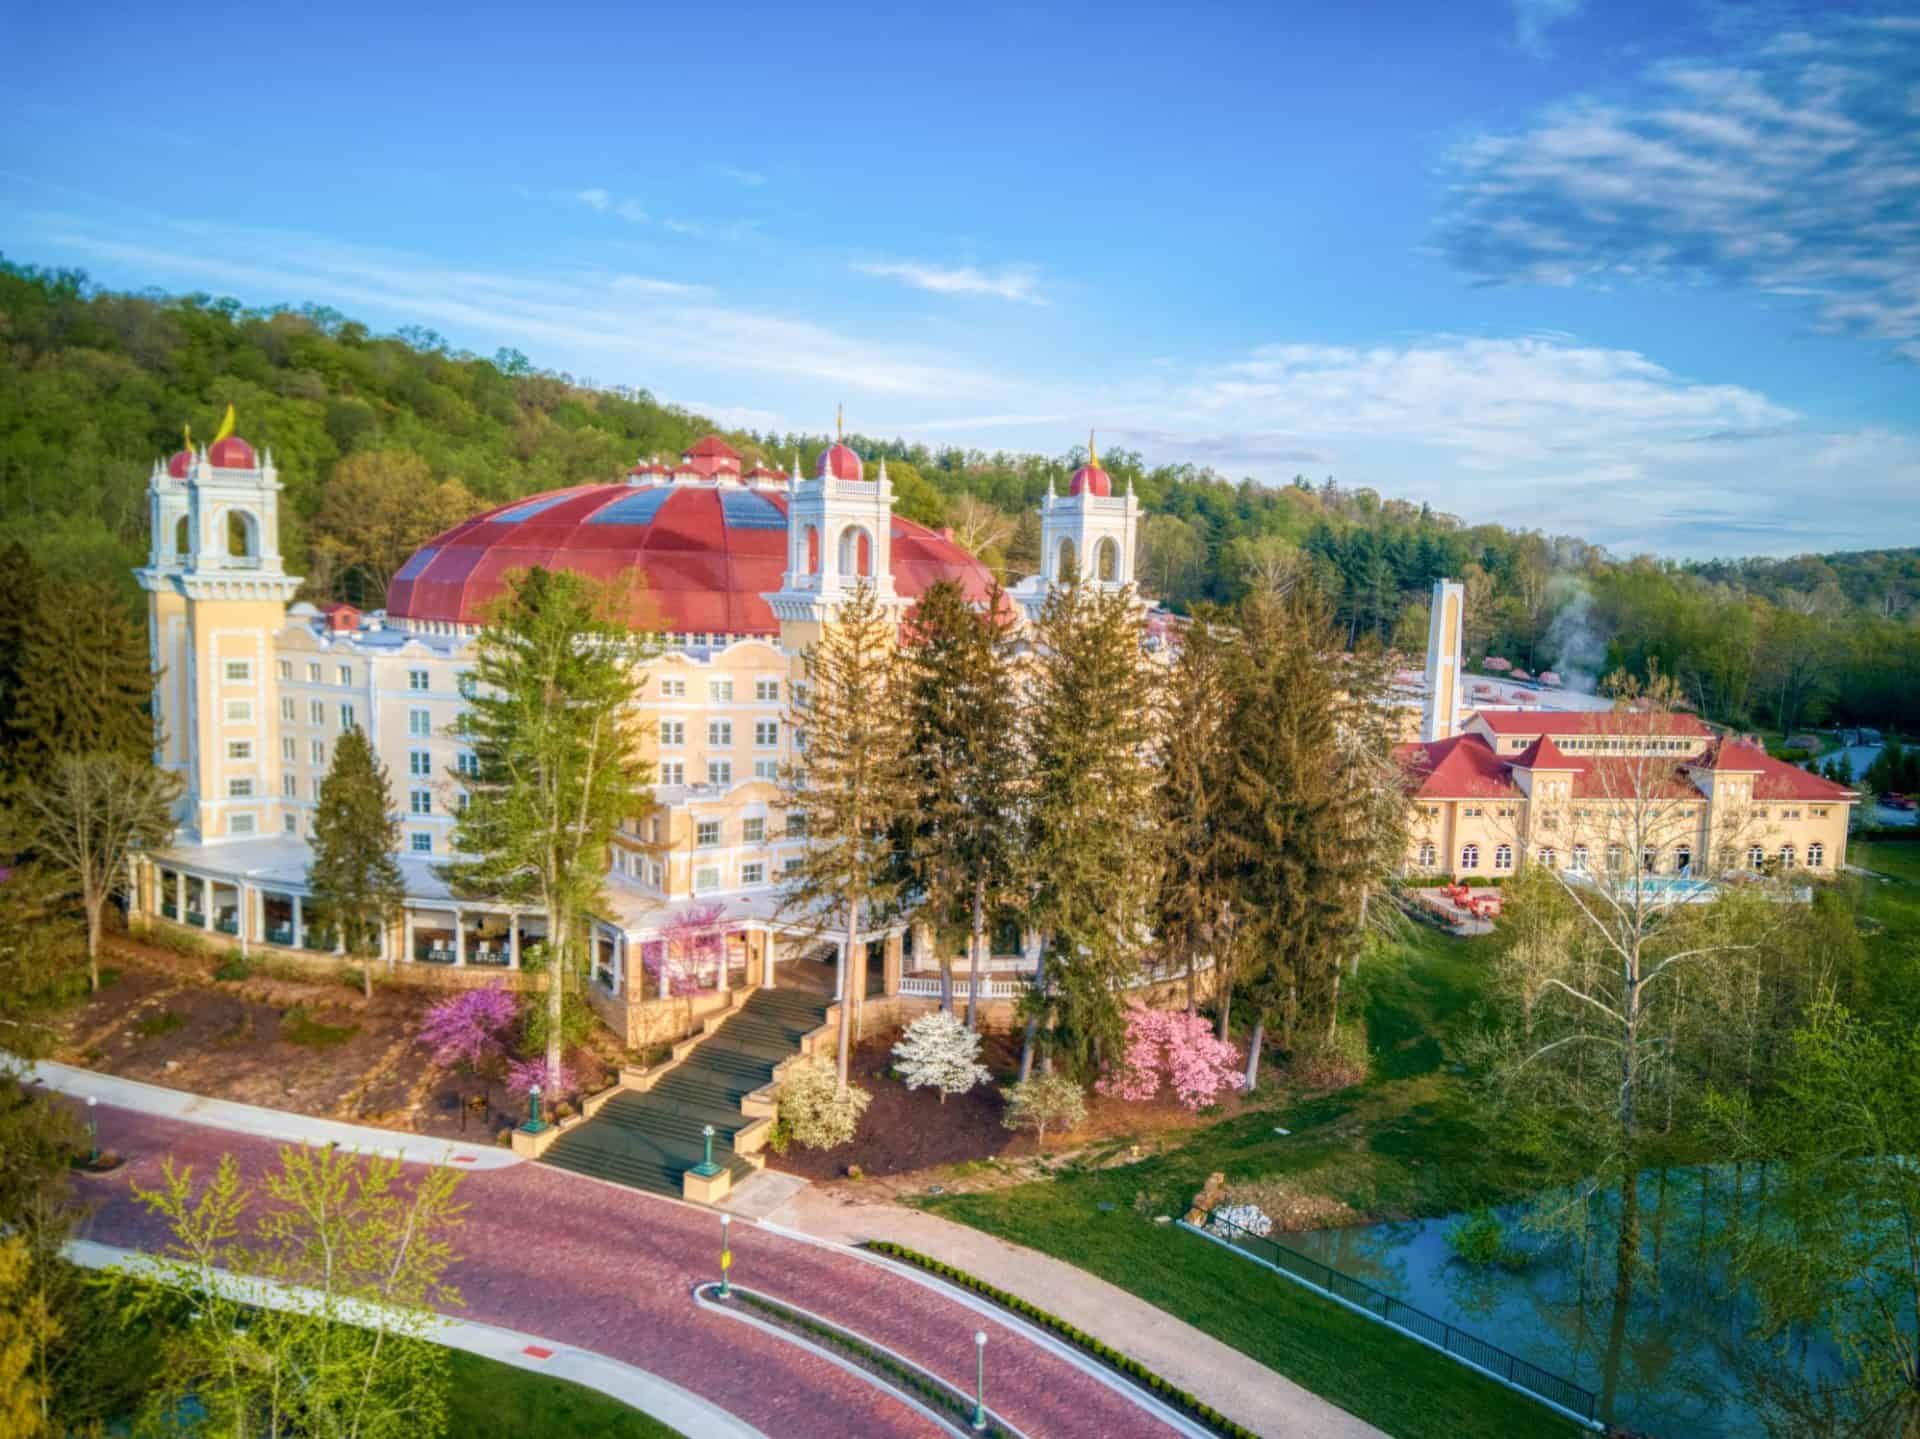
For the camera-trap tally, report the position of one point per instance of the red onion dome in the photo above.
(181, 462)
(840, 462)
(1090, 479)
(232, 453)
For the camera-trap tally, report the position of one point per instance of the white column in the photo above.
(769, 954)
(725, 962)
(406, 934)
(459, 938)
(513, 940)
(180, 895)
(243, 915)
(840, 970)
(299, 924)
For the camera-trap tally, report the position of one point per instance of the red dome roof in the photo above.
(843, 462)
(1090, 480)
(232, 453)
(704, 556)
(711, 456)
(181, 462)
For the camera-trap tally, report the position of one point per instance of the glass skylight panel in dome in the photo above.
(744, 510)
(637, 509)
(528, 510)
(413, 567)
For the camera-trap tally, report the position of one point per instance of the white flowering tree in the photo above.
(939, 1050)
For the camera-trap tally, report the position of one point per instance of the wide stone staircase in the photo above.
(649, 1138)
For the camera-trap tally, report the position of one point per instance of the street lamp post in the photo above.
(534, 1122)
(706, 1168)
(93, 1132)
(726, 1257)
(979, 1379)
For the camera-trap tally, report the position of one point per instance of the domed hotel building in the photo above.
(736, 571)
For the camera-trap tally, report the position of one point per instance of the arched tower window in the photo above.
(182, 535)
(1064, 563)
(1106, 561)
(856, 552)
(243, 535)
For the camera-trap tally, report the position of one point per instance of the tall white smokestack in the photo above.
(1442, 716)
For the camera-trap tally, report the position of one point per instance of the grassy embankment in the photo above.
(489, 1400)
(1402, 1143)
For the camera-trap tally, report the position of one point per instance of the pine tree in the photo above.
(1292, 813)
(853, 781)
(1193, 911)
(355, 879)
(962, 838)
(20, 584)
(1090, 842)
(86, 682)
(557, 766)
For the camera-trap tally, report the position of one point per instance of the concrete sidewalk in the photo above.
(1233, 1382)
(143, 1098)
(666, 1401)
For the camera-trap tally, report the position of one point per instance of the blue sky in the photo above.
(1647, 273)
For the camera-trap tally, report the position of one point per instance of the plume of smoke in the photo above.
(1574, 643)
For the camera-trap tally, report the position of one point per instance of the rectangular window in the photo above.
(673, 732)
(753, 874)
(421, 841)
(464, 684)
(313, 672)
(767, 769)
(290, 786)
(346, 716)
(706, 833)
(317, 782)
(286, 669)
(286, 710)
(753, 831)
(239, 749)
(720, 733)
(673, 689)
(707, 877)
(345, 673)
(420, 801)
(317, 751)
(239, 711)
(287, 823)
(765, 690)
(287, 749)
(672, 771)
(720, 691)
(467, 762)
(316, 711)
(792, 864)
(796, 825)
(719, 771)
(656, 873)
(420, 723)
(419, 762)
(239, 789)
(239, 671)
(417, 679)
(766, 733)
(240, 824)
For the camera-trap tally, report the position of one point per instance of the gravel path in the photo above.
(608, 1269)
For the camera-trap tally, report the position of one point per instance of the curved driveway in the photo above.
(610, 1270)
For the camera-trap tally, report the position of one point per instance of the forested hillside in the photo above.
(382, 440)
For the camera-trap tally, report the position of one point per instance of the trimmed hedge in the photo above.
(1121, 1364)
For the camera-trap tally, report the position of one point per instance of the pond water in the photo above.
(1680, 1362)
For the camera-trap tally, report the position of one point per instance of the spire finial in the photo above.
(839, 423)
(1093, 456)
(226, 425)
(186, 437)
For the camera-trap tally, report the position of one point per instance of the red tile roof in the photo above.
(1543, 753)
(1538, 722)
(1463, 767)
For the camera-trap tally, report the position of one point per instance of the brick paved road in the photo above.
(610, 1270)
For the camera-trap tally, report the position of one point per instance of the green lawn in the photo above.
(1401, 1143)
(489, 1400)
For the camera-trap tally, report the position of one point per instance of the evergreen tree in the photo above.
(853, 782)
(1091, 850)
(20, 586)
(87, 685)
(556, 764)
(1292, 813)
(355, 879)
(1194, 911)
(962, 703)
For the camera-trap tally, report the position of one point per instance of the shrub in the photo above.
(470, 1028)
(1177, 1046)
(1043, 1102)
(165, 1021)
(523, 1074)
(815, 1111)
(299, 1027)
(1480, 1239)
(1320, 1062)
(939, 1050)
(234, 966)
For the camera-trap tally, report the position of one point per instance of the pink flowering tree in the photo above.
(469, 1032)
(691, 943)
(554, 1081)
(1172, 1047)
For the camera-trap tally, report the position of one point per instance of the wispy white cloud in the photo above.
(1532, 19)
(750, 178)
(731, 230)
(595, 200)
(1793, 170)
(602, 202)
(1019, 283)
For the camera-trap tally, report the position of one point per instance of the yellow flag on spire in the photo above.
(1093, 457)
(186, 437)
(226, 426)
(839, 422)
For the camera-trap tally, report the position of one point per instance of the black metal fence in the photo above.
(1437, 1332)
